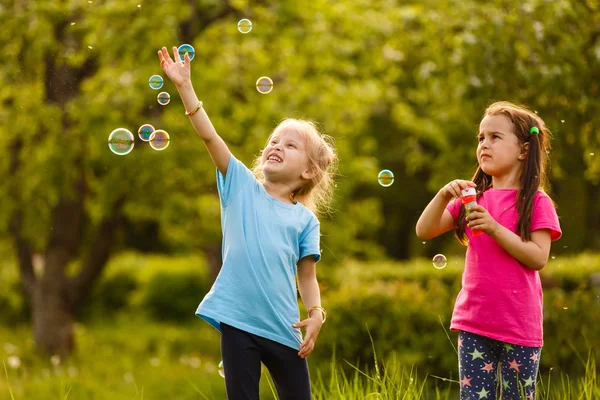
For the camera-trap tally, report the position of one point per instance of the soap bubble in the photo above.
(264, 85)
(221, 369)
(156, 82)
(439, 261)
(163, 98)
(385, 178)
(145, 132)
(186, 48)
(121, 141)
(159, 140)
(244, 26)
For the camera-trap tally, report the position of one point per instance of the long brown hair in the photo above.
(533, 175)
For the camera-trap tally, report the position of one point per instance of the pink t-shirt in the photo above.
(500, 297)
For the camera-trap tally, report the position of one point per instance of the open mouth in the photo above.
(274, 158)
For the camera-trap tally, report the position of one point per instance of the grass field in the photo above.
(130, 358)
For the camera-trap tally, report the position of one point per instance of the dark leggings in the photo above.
(481, 359)
(242, 354)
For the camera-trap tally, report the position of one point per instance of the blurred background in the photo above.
(104, 258)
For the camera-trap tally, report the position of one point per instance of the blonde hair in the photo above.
(317, 193)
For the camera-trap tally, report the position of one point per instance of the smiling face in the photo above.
(285, 158)
(499, 152)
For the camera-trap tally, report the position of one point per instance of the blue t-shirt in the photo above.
(263, 240)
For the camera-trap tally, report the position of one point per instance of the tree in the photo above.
(399, 85)
(79, 70)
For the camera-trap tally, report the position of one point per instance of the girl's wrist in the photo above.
(320, 314)
(187, 85)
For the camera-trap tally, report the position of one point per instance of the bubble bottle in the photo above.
(469, 199)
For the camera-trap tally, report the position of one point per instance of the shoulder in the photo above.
(542, 198)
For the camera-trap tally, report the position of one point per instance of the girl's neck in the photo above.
(280, 191)
(511, 181)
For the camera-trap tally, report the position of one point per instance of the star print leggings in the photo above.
(487, 366)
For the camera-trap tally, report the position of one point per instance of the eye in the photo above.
(273, 141)
(495, 137)
(292, 145)
(479, 139)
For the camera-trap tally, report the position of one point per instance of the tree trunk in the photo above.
(52, 316)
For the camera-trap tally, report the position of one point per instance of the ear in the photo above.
(524, 150)
(309, 173)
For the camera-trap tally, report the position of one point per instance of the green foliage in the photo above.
(170, 297)
(399, 85)
(111, 295)
(406, 308)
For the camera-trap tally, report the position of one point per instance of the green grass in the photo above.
(131, 358)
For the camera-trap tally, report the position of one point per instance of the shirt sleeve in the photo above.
(310, 238)
(237, 176)
(454, 208)
(544, 216)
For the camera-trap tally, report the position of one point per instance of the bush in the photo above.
(406, 307)
(174, 296)
(113, 293)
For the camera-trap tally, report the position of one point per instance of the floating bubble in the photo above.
(121, 141)
(221, 369)
(562, 120)
(245, 25)
(439, 261)
(385, 178)
(159, 140)
(264, 85)
(155, 82)
(186, 48)
(163, 98)
(145, 132)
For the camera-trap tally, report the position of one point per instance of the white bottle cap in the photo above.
(470, 191)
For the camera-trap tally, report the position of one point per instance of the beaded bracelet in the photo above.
(195, 110)
(323, 312)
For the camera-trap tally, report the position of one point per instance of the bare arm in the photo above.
(308, 286)
(179, 73)
(533, 254)
(435, 219)
(311, 296)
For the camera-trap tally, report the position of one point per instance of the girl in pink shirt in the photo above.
(498, 311)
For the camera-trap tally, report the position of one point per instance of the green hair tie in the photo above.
(533, 130)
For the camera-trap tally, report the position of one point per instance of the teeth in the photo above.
(274, 158)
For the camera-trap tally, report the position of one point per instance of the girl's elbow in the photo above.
(538, 265)
(421, 234)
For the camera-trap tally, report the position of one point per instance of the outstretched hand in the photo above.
(177, 71)
(312, 327)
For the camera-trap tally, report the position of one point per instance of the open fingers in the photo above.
(164, 56)
(176, 57)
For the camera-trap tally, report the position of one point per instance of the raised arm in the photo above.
(179, 73)
(435, 219)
